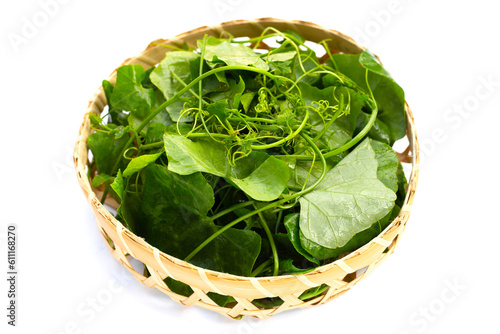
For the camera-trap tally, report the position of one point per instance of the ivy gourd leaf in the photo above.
(369, 61)
(281, 56)
(217, 49)
(219, 109)
(322, 253)
(174, 208)
(233, 94)
(140, 162)
(388, 94)
(162, 117)
(356, 100)
(402, 184)
(100, 179)
(387, 173)
(387, 170)
(349, 200)
(309, 62)
(174, 67)
(312, 95)
(238, 90)
(129, 211)
(129, 93)
(246, 100)
(304, 173)
(155, 133)
(379, 131)
(185, 290)
(117, 116)
(106, 150)
(287, 268)
(259, 175)
(292, 227)
(118, 185)
(341, 131)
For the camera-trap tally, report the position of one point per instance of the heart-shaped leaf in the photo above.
(349, 200)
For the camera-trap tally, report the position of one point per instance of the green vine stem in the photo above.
(231, 209)
(269, 235)
(350, 143)
(184, 90)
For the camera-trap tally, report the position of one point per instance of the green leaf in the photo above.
(155, 133)
(387, 173)
(95, 120)
(219, 109)
(353, 98)
(117, 115)
(379, 130)
(322, 253)
(402, 184)
(390, 98)
(108, 91)
(218, 49)
(239, 89)
(304, 174)
(174, 208)
(388, 94)
(185, 290)
(295, 36)
(118, 185)
(101, 179)
(267, 181)
(260, 176)
(292, 227)
(176, 64)
(233, 94)
(129, 211)
(283, 68)
(129, 94)
(369, 61)
(341, 130)
(221, 76)
(309, 62)
(119, 131)
(106, 150)
(349, 200)
(388, 164)
(287, 268)
(338, 134)
(312, 95)
(246, 100)
(178, 287)
(281, 56)
(140, 162)
(162, 117)
(213, 84)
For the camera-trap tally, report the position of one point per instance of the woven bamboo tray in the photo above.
(340, 275)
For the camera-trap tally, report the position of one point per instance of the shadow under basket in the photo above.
(336, 277)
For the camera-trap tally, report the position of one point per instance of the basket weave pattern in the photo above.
(340, 275)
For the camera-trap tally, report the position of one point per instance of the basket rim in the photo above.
(96, 103)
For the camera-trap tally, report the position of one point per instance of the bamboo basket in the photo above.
(340, 275)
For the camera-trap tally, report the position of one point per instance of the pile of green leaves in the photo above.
(250, 160)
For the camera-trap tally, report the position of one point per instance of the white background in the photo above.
(442, 53)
